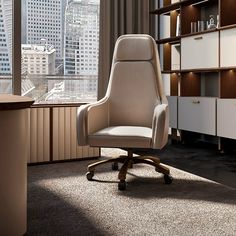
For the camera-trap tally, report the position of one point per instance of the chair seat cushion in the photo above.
(122, 136)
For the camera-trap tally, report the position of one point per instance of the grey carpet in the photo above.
(62, 202)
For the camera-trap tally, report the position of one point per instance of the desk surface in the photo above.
(14, 102)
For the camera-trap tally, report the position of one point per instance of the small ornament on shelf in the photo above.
(211, 24)
(217, 21)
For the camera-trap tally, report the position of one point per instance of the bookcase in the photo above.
(197, 47)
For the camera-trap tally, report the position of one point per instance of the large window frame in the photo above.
(16, 47)
(17, 53)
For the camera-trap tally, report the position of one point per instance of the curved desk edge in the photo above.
(14, 102)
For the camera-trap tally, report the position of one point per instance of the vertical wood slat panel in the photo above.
(39, 135)
(67, 133)
(28, 135)
(61, 130)
(33, 138)
(73, 133)
(55, 134)
(65, 137)
(46, 141)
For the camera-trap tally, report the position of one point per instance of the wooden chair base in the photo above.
(128, 162)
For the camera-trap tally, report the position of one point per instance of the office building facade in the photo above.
(81, 38)
(5, 37)
(38, 59)
(45, 20)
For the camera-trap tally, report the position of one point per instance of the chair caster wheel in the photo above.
(122, 185)
(90, 175)
(168, 179)
(114, 166)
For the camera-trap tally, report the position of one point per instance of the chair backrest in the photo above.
(135, 85)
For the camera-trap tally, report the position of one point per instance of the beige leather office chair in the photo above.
(134, 111)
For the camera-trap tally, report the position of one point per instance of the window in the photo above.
(6, 47)
(50, 47)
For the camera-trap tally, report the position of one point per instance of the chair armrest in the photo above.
(98, 116)
(160, 126)
(81, 125)
(91, 118)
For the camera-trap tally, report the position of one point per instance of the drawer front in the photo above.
(227, 48)
(197, 114)
(172, 102)
(226, 116)
(201, 51)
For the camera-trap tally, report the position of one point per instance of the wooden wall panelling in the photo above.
(174, 84)
(228, 84)
(190, 84)
(167, 57)
(227, 10)
(173, 22)
(39, 135)
(189, 14)
(166, 3)
(65, 145)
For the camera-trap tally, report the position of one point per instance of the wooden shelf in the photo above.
(167, 9)
(177, 5)
(170, 71)
(227, 27)
(177, 39)
(199, 70)
(204, 70)
(172, 40)
(198, 33)
(196, 2)
(227, 68)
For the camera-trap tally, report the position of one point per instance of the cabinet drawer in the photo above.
(201, 51)
(228, 48)
(172, 102)
(197, 114)
(226, 116)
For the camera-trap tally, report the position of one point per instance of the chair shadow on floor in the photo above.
(181, 188)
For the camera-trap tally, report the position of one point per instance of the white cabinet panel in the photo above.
(197, 114)
(172, 102)
(228, 48)
(226, 116)
(200, 51)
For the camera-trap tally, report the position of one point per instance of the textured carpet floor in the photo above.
(62, 202)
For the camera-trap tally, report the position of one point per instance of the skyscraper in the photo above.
(38, 59)
(81, 37)
(45, 20)
(5, 36)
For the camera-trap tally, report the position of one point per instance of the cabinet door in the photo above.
(197, 114)
(226, 116)
(172, 102)
(228, 48)
(200, 51)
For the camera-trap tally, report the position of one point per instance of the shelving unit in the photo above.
(199, 64)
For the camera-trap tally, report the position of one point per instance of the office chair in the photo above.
(134, 111)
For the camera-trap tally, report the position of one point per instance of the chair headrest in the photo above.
(134, 48)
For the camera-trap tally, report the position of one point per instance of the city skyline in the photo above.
(72, 31)
(38, 20)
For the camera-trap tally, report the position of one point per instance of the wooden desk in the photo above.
(13, 163)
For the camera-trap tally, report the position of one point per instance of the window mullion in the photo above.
(16, 47)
